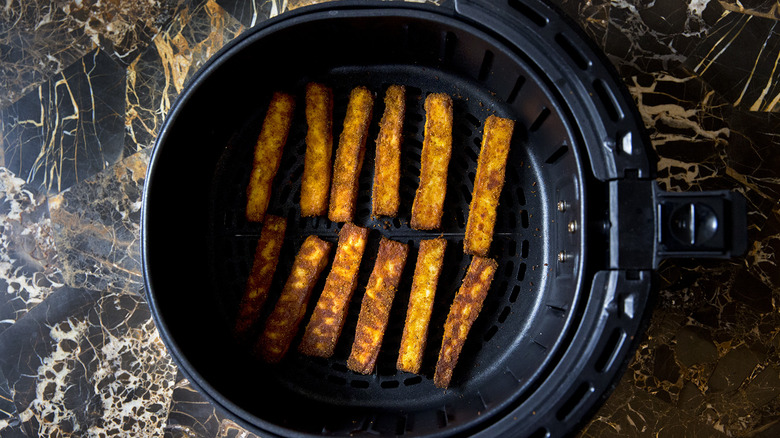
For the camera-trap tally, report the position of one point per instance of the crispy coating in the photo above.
(315, 184)
(259, 282)
(418, 313)
(283, 322)
(327, 320)
(428, 204)
(349, 155)
(268, 155)
(387, 166)
(375, 308)
(464, 310)
(491, 167)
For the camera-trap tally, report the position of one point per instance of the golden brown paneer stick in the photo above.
(349, 155)
(259, 282)
(491, 167)
(268, 155)
(418, 313)
(387, 166)
(283, 322)
(375, 308)
(326, 322)
(315, 184)
(464, 310)
(428, 204)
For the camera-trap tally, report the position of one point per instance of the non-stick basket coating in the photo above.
(198, 246)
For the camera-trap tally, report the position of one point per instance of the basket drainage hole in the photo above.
(362, 384)
(389, 384)
(515, 294)
(504, 314)
(557, 155)
(413, 380)
(490, 333)
(540, 119)
(337, 380)
(606, 358)
(576, 399)
(521, 272)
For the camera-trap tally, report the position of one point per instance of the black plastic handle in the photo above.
(647, 224)
(705, 224)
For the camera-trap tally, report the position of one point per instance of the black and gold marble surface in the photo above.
(85, 86)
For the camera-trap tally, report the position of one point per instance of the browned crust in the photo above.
(259, 282)
(491, 168)
(428, 204)
(327, 320)
(268, 154)
(283, 322)
(349, 155)
(464, 310)
(315, 184)
(418, 314)
(375, 308)
(387, 166)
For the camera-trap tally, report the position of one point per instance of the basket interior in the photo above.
(196, 224)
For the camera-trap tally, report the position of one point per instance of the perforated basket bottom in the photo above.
(514, 297)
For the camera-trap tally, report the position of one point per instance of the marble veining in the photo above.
(98, 237)
(69, 128)
(158, 75)
(29, 268)
(88, 364)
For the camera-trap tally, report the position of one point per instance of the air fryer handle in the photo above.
(705, 224)
(647, 224)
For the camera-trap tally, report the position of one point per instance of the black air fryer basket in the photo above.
(581, 223)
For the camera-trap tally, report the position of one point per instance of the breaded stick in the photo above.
(491, 167)
(418, 313)
(387, 166)
(328, 318)
(259, 282)
(315, 184)
(282, 325)
(375, 308)
(428, 203)
(268, 155)
(464, 310)
(349, 155)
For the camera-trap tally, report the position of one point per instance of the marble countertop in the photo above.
(86, 85)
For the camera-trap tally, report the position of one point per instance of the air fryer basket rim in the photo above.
(616, 304)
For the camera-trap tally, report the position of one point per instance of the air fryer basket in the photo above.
(571, 293)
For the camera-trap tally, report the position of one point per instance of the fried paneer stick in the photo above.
(349, 155)
(283, 322)
(428, 204)
(268, 155)
(418, 313)
(387, 166)
(464, 310)
(324, 328)
(375, 308)
(315, 184)
(491, 167)
(259, 282)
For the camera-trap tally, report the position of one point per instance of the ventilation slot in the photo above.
(608, 100)
(557, 155)
(487, 66)
(540, 120)
(575, 400)
(610, 350)
(579, 59)
(448, 49)
(537, 18)
(516, 89)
